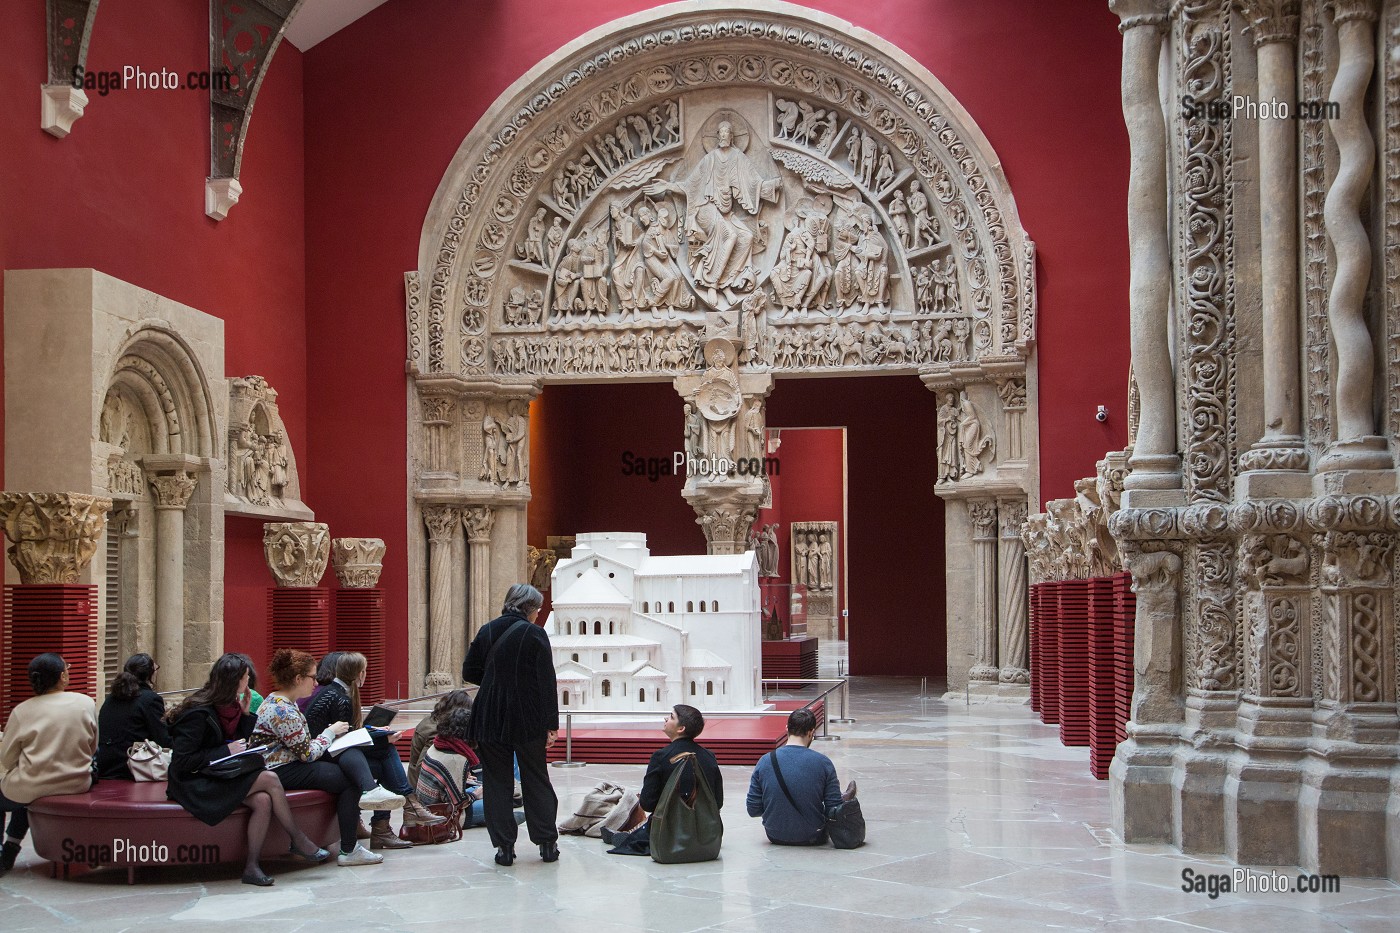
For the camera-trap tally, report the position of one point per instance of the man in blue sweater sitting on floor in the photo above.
(793, 786)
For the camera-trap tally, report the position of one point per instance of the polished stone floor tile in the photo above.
(979, 820)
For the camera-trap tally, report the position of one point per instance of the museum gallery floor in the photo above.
(979, 820)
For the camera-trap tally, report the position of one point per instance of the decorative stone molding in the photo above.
(172, 490)
(69, 31)
(263, 479)
(53, 535)
(358, 562)
(297, 551)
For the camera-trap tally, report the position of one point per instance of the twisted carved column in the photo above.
(172, 493)
(1155, 463)
(1356, 447)
(1011, 570)
(983, 513)
(1274, 24)
(478, 521)
(443, 522)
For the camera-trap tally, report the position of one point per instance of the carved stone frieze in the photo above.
(813, 551)
(297, 551)
(357, 562)
(53, 535)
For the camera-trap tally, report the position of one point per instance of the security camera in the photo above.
(1102, 414)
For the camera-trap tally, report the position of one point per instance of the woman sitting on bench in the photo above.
(133, 712)
(47, 748)
(214, 722)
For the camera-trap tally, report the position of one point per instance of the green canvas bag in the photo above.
(686, 830)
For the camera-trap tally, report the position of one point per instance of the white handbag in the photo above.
(148, 761)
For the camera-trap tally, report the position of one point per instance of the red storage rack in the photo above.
(1050, 652)
(359, 626)
(42, 617)
(1073, 661)
(299, 617)
(1033, 637)
(1103, 701)
(1125, 613)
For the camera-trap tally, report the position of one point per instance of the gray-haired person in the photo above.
(516, 715)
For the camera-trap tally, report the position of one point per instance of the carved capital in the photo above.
(1273, 560)
(297, 551)
(53, 534)
(983, 513)
(1153, 571)
(1135, 13)
(478, 520)
(1271, 20)
(726, 524)
(1012, 513)
(172, 490)
(1345, 11)
(357, 561)
(441, 521)
(1357, 559)
(1013, 393)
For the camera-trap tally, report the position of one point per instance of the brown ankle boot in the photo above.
(382, 836)
(362, 831)
(415, 814)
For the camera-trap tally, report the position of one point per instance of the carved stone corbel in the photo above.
(53, 534)
(61, 100)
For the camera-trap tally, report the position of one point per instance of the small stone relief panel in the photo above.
(814, 555)
(124, 426)
(262, 470)
(966, 443)
(505, 444)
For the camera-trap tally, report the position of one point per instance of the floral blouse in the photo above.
(283, 726)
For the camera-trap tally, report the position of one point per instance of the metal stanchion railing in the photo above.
(568, 761)
(845, 697)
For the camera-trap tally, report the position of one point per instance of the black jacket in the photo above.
(517, 702)
(197, 738)
(124, 721)
(660, 767)
(330, 704)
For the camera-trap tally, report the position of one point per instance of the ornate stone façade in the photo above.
(722, 197)
(1259, 517)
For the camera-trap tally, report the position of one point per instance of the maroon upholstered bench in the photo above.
(131, 823)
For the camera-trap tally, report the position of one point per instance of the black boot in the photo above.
(549, 851)
(505, 855)
(8, 853)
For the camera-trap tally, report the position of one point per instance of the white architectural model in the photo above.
(636, 632)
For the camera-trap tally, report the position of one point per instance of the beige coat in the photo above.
(48, 747)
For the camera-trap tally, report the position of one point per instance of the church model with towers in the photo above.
(631, 631)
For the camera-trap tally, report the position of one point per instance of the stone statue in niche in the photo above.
(515, 434)
(532, 250)
(553, 241)
(693, 431)
(884, 170)
(718, 400)
(799, 560)
(753, 430)
(899, 219)
(492, 460)
(722, 187)
(751, 330)
(925, 226)
(243, 444)
(973, 439)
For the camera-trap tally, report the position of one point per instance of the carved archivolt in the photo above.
(691, 160)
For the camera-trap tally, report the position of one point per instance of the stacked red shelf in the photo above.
(1125, 612)
(359, 626)
(1033, 614)
(1072, 655)
(1050, 653)
(1103, 700)
(59, 617)
(299, 617)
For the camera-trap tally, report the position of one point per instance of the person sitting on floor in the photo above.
(132, 712)
(682, 727)
(299, 756)
(47, 749)
(214, 722)
(339, 701)
(794, 808)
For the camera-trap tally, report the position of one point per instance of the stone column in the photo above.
(443, 522)
(478, 521)
(171, 492)
(1011, 586)
(1356, 447)
(1274, 24)
(1155, 462)
(983, 513)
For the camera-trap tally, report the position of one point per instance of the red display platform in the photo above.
(359, 626)
(1102, 700)
(299, 617)
(41, 617)
(733, 741)
(1074, 662)
(791, 657)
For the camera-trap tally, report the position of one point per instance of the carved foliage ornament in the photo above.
(297, 551)
(357, 561)
(53, 534)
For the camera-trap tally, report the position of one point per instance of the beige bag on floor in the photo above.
(596, 805)
(617, 819)
(147, 761)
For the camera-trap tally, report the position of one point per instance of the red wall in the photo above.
(124, 194)
(390, 98)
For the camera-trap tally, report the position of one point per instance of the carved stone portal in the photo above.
(297, 551)
(358, 562)
(53, 534)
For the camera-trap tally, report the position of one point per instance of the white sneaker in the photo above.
(380, 798)
(361, 856)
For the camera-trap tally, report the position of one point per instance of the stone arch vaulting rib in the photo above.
(717, 195)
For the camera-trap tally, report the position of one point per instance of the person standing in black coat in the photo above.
(515, 716)
(132, 712)
(214, 722)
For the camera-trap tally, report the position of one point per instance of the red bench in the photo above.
(131, 823)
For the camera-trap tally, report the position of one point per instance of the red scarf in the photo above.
(229, 718)
(457, 747)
